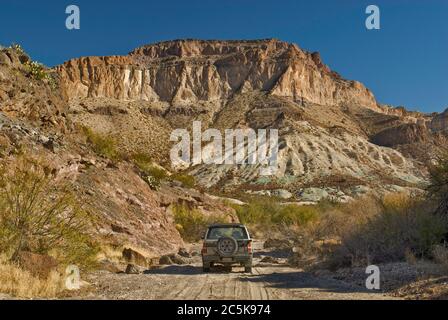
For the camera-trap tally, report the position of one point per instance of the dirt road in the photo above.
(268, 281)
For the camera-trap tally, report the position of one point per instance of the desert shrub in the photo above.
(439, 175)
(293, 214)
(104, 146)
(151, 173)
(191, 223)
(400, 224)
(440, 255)
(142, 159)
(39, 213)
(257, 211)
(20, 283)
(438, 188)
(268, 212)
(36, 70)
(18, 48)
(187, 180)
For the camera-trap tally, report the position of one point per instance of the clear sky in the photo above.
(403, 63)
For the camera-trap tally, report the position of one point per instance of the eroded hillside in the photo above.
(331, 129)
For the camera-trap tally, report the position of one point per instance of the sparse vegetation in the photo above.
(104, 146)
(373, 230)
(151, 173)
(266, 212)
(39, 213)
(20, 283)
(191, 223)
(186, 180)
(34, 69)
(18, 48)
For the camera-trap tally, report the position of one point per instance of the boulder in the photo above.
(313, 194)
(165, 260)
(132, 269)
(277, 243)
(184, 253)
(282, 193)
(269, 259)
(172, 259)
(109, 266)
(133, 257)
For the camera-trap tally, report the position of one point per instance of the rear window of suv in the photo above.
(238, 233)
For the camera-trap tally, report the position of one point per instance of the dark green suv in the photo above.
(227, 244)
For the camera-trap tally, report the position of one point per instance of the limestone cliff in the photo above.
(188, 71)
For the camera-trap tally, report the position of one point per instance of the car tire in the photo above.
(227, 246)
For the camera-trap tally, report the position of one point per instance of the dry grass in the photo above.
(372, 230)
(21, 284)
(440, 255)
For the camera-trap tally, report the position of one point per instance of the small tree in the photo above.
(38, 212)
(439, 182)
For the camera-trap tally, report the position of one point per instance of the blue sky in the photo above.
(404, 63)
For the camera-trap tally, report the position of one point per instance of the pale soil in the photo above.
(268, 281)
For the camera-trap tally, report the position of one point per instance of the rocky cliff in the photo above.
(189, 71)
(331, 129)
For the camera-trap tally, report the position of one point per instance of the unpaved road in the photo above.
(268, 281)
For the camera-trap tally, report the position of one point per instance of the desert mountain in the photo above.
(35, 119)
(335, 139)
(333, 133)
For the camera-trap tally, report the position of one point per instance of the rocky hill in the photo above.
(35, 119)
(335, 139)
(332, 130)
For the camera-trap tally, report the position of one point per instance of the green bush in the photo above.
(36, 70)
(293, 214)
(187, 180)
(102, 145)
(191, 223)
(41, 214)
(400, 224)
(269, 212)
(18, 48)
(152, 174)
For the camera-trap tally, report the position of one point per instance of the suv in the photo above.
(227, 244)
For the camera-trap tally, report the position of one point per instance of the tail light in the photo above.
(249, 247)
(204, 249)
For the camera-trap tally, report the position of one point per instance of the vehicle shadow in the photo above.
(176, 269)
(188, 270)
(304, 280)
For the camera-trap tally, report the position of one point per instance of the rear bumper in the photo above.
(245, 260)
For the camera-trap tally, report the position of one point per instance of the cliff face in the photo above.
(330, 128)
(190, 71)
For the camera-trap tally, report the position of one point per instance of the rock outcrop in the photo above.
(190, 71)
(329, 127)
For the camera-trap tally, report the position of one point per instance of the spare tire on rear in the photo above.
(227, 246)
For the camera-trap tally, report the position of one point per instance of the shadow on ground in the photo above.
(188, 270)
(303, 280)
(278, 253)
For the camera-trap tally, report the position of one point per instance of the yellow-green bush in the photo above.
(191, 223)
(293, 214)
(152, 173)
(269, 212)
(41, 214)
(187, 180)
(104, 146)
(396, 225)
